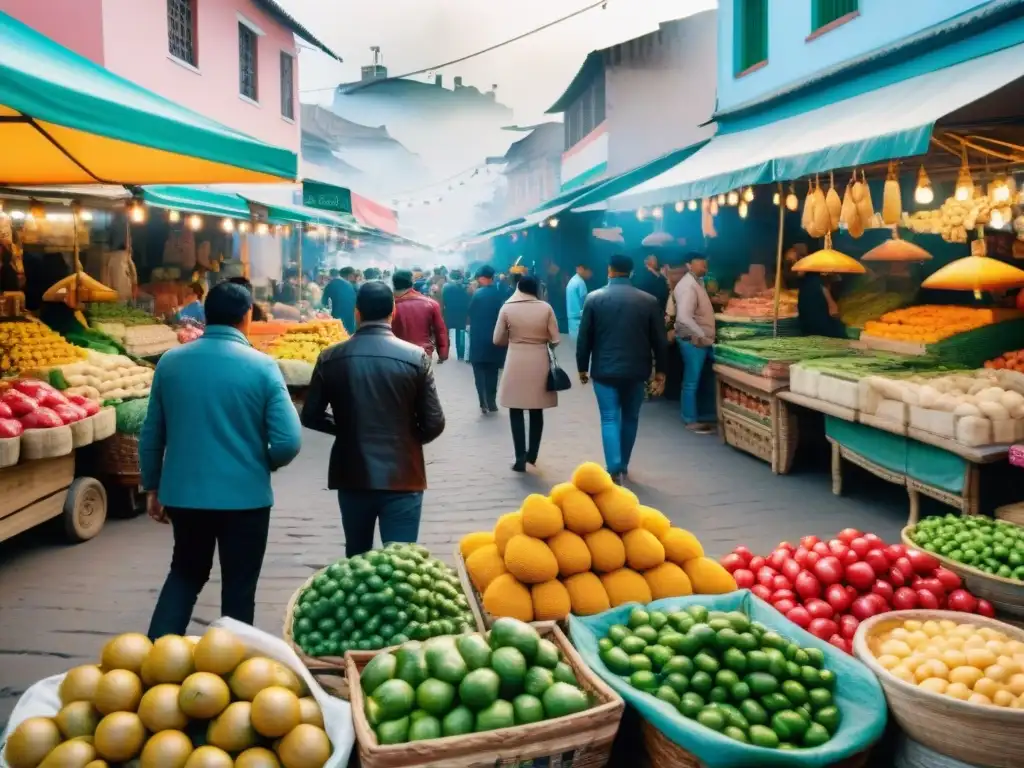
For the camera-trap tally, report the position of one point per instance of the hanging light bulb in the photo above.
(776, 198)
(1000, 190)
(552, 222)
(692, 205)
(287, 230)
(657, 212)
(243, 227)
(743, 209)
(977, 295)
(923, 194)
(964, 183)
(227, 225)
(542, 223)
(173, 216)
(792, 201)
(748, 195)
(733, 198)
(137, 212)
(679, 206)
(641, 214)
(86, 215)
(195, 222)
(262, 228)
(721, 199)
(996, 219)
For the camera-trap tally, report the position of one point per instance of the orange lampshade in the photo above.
(828, 260)
(896, 249)
(976, 273)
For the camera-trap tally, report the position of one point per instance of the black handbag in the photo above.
(558, 379)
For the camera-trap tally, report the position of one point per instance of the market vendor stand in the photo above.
(751, 418)
(35, 492)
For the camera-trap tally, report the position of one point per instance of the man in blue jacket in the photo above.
(219, 422)
(487, 357)
(340, 293)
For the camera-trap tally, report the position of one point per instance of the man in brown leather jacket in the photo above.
(384, 409)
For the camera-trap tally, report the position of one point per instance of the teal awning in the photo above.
(66, 120)
(889, 122)
(283, 213)
(196, 200)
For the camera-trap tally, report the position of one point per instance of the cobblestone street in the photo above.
(59, 603)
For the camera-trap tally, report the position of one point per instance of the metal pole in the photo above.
(778, 265)
(298, 261)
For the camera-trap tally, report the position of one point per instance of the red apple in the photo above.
(823, 628)
(985, 608)
(848, 534)
(791, 569)
(860, 576)
(819, 609)
(904, 599)
(756, 563)
(781, 582)
(933, 585)
(786, 545)
(765, 576)
(838, 598)
(822, 549)
(744, 578)
(927, 600)
(896, 577)
(784, 606)
(878, 562)
(778, 557)
(743, 552)
(861, 546)
(732, 562)
(761, 591)
(848, 626)
(874, 541)
(921, 561)
(884, 590)
(800, 556)
(894, 552)
(806, 585)
(849, 558)
(839, 642)
(783, 594)
(866, 606)
(829, 570)
(808, 542)
(799, 616)
(962, 600)
(950, 581)
(812, 559)
(903, 563)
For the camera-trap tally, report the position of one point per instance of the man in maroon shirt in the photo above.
(418, 318)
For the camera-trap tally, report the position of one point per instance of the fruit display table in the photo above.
(750, 417)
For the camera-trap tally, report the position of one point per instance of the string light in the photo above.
(1000, 190)
(542, 224)
(748, 195)
(733, 197)
(243, 227)
(792, 201)
(996, 220)
(964, 183)
(137, 212)
(679, 206)
(195, 222)
(743, 209)
(262, 228)
(776, 198)
(641, 214)
(692, 205)
(553, 222)
(657, 212)
(86, 215)
(923, 193)
(721, 199)
(173, 216)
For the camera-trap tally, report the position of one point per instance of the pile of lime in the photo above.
(451, 686)
(380, 599)
(992, 546)
(728, 673)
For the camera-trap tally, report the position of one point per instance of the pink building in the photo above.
(235, 61)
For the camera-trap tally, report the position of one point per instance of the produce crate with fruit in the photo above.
(27, 346)
(518, 695)
(955, 683)
(46, 422)
(588, 546)
(298, 348)
(987, 554)
(234, 697)
(726, 682)
(829, 588)
(373, 601)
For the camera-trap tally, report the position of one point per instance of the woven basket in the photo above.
(973, 733)
(1006, 595)
(329, 671)
(1011, 513)
(664, 753)
(119, 455)
(583, 740)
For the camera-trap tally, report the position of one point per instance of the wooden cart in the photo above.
(34, 492)
(750, 418)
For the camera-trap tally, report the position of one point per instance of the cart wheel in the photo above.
(85, 509)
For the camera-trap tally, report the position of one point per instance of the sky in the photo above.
(414, 34)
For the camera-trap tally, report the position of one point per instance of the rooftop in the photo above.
(274, 9)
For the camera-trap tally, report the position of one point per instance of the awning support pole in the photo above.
(298, 261)
(778, 265)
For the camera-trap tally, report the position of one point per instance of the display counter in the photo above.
(750, 418)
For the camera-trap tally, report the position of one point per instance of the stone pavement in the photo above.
(59, 603)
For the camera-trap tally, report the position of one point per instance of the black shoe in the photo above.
(492, 408)
(519, 466)
(531, 458)
(483, 410)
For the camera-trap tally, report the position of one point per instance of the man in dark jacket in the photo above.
(454, 308)
(487, 358)
(418, 318)
(340, 294)
(384, 409)
(621, 330)
(650, 280)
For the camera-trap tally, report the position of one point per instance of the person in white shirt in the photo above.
(695, 335)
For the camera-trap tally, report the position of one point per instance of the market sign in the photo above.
(326, 197)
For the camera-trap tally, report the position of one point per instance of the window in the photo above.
(247, 84)
(181, 30)
(824, 12)
(287, 86)
(586, 113)
(750, 38)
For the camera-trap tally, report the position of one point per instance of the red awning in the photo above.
(374, 214)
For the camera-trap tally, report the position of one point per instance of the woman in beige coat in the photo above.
(526, 325)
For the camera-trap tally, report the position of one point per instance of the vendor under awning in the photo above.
(817, 311)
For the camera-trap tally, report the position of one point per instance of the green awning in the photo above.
(281, 213)
(196, 200)
(889, 122)
(67, 120)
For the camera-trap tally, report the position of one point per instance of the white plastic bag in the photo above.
(42, 700)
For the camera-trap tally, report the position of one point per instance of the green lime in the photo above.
(705, 662)
(633, 644)
(788, 725)
(677, 682)
(718, 695)
(757, 661)
(670, 639)
(681, 664)
(740, 692)
(727, 638)
(657, 619)
(795, 692)
(682, 621)
(761, 683)
(617, 661)
(658, 654)
(775, 702)
(644, 680)
(719, 624)
(828, 717)
(711, 718)
(639, 662)
(616, 633)
(815, 736)
(754, 712)
(726, 678)
(747, 642)
(827, 678)
(690, 704)
(762, 736)
(736, 734)
(647, 632)
(668, 694)
(638, 617)
(819, 697)
(698, 612)
(701, 683)
(815, 657)
(604, 644)
(734, 659)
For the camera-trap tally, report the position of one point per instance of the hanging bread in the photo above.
(892, 203)
(865, 208)
(807, 217)
(833, 203)
(822, 217)
(856, 189)
(848, 209)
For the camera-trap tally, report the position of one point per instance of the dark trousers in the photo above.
(240, 538)
(518, 419)
(398, 512)
(460, 342)
(485, 376)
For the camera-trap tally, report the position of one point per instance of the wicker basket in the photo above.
(1006, 595)
(329, 671)
(664, 753)
(1011, 513)
(583, 740)
(974, 733)
(119, 455)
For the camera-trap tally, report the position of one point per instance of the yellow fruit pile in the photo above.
(928, 323)
(587, 547)
(28, 345)
(980, 665)
(152, 705)
(305, 341)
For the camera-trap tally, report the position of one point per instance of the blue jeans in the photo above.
(398, 512)
(460, 342)
(619, 404)
(697, 405)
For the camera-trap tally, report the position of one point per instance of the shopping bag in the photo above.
(42, 699)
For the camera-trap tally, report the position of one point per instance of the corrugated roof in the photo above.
(275, 10)
(592, 66)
